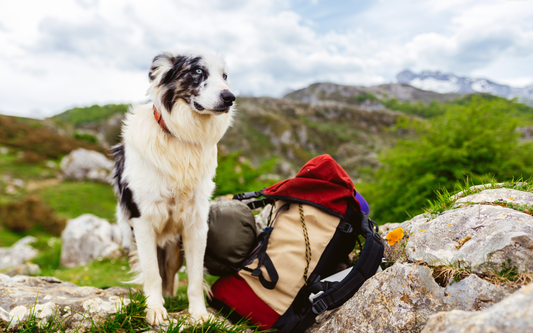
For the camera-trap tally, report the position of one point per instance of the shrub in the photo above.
(475, 141)
(235, 174)
(38, 143)
(29, 214)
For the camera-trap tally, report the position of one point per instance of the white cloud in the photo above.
(94, 51)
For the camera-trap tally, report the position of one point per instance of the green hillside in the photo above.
(91, 114)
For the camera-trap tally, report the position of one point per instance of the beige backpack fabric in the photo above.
(286, 248)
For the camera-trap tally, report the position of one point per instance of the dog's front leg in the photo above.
(194, 243)
(145, 236)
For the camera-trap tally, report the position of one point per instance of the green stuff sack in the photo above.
(232, 236)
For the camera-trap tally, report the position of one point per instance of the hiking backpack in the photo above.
(314, 224)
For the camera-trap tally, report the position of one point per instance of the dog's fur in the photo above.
(164, 180)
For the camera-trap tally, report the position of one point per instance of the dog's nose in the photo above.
(227, 97)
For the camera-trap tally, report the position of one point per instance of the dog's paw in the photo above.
(156, 315)
(200, 318)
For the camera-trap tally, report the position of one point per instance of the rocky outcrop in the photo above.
(18, 254)
(83, 164)
(88, 237)
(454, 269)
(513, 314)
(401, 299)
(46, 297)
(481, 237)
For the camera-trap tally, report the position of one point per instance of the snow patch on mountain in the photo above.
(450, 83)
(435, 85)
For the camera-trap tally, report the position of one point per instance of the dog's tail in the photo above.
(135, 265)
(129, 244)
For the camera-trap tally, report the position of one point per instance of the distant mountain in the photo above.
(450, 83)
(327, 92)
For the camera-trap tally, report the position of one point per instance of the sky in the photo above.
(59, 54)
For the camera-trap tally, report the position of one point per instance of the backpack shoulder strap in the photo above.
(333, 294)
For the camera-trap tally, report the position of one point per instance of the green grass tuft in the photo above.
(130, 318)
(445, 200)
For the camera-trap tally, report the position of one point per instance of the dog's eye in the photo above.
(224, 76)
(199, 71)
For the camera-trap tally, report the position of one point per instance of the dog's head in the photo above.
(196, 78)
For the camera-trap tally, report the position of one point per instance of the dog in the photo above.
(164, 170)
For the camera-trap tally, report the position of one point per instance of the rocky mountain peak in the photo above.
(450, 83)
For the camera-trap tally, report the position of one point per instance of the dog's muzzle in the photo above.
(227, 97)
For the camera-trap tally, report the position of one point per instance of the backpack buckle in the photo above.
(246, 195)
(319, 307)
(345, 227)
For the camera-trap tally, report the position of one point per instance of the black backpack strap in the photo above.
(259, 203)
(337, 293)
(264, 259)
(247, 195)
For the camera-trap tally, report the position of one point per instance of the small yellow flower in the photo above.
(449, 224)
(75, 281)
(511, 198)
(86, 278)
(394, 236)
(422, 230)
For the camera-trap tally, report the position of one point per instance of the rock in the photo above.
(396, 252)
(477, 188)
(475, 240)
(473, 293)
(83, 164)
(24, 269)
(48, 296)
(17, 254)
(499, 195)
(513, 314)
(88, 237)
(481, 237)
(402, 297)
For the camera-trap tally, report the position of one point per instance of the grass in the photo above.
(456, 271)
(99, 274)
(503, 274)
(445, 200)
(10, 164)
(8, 237)
(528, 209)
(71, 199)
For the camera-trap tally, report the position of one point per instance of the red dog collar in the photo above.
(159, 118)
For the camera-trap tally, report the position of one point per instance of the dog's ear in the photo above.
(162, 64)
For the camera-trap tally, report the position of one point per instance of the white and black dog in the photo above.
(164, 171)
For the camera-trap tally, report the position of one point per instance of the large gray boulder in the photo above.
(48, 296)
(18, 254)
(481, 237)
(481, 234)
(89, 237)
(83, 164)
(513, 314)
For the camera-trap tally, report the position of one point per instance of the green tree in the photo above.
(475, 140)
